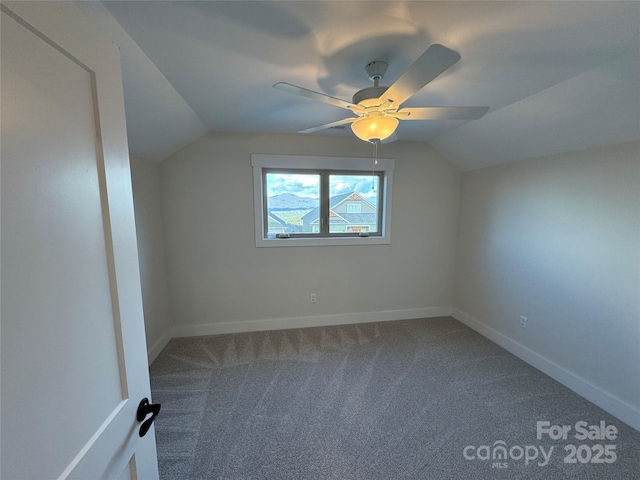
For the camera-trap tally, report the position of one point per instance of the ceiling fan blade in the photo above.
(321, 97)
(440, 113)
(329, 125)
(434, 61)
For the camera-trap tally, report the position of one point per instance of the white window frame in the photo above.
(339, 164)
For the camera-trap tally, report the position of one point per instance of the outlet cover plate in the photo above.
(523, 321)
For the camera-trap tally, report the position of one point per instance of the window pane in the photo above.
(353, 203)
(293, 203)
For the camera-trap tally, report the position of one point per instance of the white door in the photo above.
(73, 353)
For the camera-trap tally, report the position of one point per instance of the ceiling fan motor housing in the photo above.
(369, 93)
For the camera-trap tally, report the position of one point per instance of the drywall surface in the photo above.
(557, 239)
(217, 276)
(145, 178)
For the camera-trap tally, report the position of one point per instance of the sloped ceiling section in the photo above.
(557, 76)
(159, 121)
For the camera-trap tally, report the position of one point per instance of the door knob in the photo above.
(144, 409)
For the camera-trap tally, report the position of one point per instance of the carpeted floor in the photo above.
(415, 399)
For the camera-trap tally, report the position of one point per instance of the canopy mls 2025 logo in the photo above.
(501, 455)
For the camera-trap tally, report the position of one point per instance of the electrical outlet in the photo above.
(523, 321)
(313, 298)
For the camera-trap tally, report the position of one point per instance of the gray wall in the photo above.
(218, 277)
(557, 240)
(145, 178)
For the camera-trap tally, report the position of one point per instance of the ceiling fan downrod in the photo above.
(376, 71)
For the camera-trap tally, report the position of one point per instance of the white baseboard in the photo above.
(301, 322)
(157, 347)
(616, 407)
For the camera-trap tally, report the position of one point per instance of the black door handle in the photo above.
(144, 409)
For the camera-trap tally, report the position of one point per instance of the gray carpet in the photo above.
(390, 400)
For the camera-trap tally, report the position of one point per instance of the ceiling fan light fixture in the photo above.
(374, 127)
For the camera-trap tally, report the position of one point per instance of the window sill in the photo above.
(321, 241)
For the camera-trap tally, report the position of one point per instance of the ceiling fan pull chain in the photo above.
(374, 163)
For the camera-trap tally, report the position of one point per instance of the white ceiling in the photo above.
(557, 76)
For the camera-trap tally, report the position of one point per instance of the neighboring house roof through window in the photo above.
(314, 215)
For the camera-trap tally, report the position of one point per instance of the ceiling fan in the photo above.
(377, 108)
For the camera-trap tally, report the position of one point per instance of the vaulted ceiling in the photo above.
(557, 76)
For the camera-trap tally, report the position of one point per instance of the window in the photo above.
(292, 203)
(300, 200)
